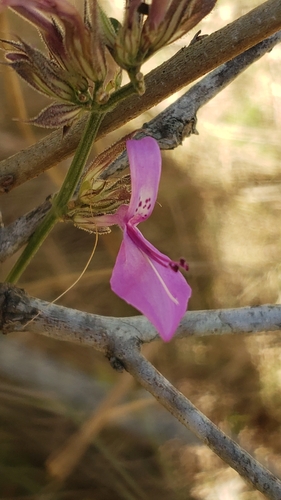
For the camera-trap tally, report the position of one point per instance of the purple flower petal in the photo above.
(156, 290)
(111, 219)
(157, 12)
(145, 166)
(142, 276)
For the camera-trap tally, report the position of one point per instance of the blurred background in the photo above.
(70, 426)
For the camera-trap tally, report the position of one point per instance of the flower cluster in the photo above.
(78, 71)
(142, 276)
(86, 56)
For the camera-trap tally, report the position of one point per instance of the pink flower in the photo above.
(143, 276)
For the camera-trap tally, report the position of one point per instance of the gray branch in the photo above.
(169, 128)
(19, 312)
(182, 409)
(120, 338)
(17, 234)
(178, 120)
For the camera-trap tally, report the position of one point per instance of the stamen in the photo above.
(75, 282)
(183, 264)
(147, 250)
(174, 266)
(83, 272)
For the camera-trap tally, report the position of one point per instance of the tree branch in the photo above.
(186, 66)
(20, 312)
(119, 339)
(17, 234)
(182, 409)
(178, 120)
(169, 128)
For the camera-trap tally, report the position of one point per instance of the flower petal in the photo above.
(145, 166)
(157, 291)
(157, 12)
(112, 219)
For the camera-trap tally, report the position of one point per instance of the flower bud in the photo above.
(148, 27)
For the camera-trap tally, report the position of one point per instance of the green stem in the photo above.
(62, 198)
(118, 96)
(33, 245)
(78, 163)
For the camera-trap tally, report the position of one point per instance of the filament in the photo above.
(83, 272)
(75, 282)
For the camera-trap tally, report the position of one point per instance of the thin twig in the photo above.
(189, 64)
